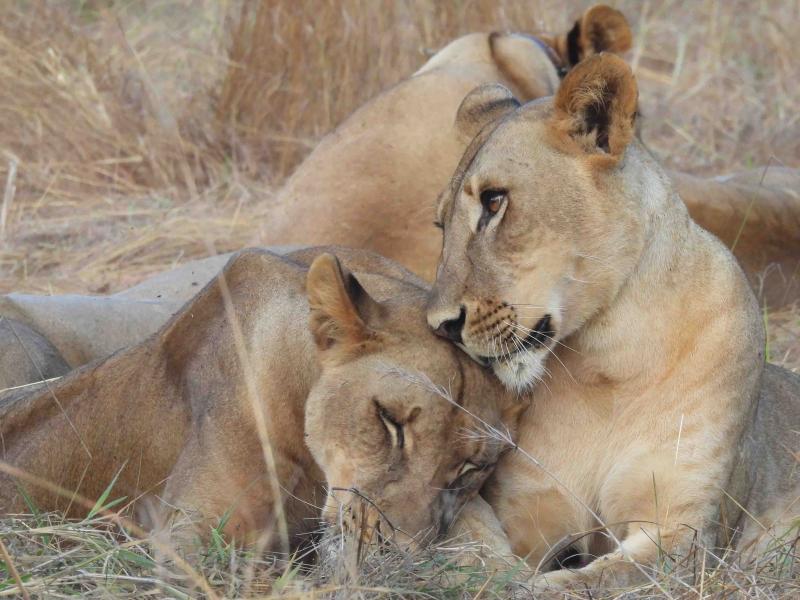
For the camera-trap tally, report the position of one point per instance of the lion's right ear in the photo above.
(483, 105)
(595, 108)
(339, 306)
(600, 29)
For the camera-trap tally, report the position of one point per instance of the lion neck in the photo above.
(627, 337)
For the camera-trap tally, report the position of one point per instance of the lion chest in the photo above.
(602, 455)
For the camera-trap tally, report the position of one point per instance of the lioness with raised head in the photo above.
(210, 412)
(571, 267)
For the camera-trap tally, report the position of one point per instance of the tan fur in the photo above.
(635, 328)
(178, 414)
(757, 214)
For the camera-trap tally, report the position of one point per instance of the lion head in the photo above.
(544, 219)
(403, 427)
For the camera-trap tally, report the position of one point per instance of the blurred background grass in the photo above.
(135, 135)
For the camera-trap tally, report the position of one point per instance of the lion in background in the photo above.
(403, 157)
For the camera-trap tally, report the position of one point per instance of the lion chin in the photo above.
(521, 371)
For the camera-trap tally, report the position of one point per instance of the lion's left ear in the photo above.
(596, 106)
(483, 105)
(340, 307)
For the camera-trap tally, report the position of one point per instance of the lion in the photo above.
(281, 394)
(571, 268)
(45, 336)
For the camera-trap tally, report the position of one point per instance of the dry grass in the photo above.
(137, 135)
(96, 558)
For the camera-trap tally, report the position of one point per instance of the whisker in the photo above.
(547, 347)
(561, 344)
(575, 279)
(528, 305)
(527, 331)
(517, 341)
(506, 352)
(603, 262)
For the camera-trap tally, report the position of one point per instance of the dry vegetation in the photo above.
(137, 135)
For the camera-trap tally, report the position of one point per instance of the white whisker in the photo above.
(546, 346)
(603, 262)
(527, 331)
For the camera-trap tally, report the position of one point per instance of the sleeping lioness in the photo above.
(209, 413)
(571, 267)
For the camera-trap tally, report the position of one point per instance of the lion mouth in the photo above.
(538, 337)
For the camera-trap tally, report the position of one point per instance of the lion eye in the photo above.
(491, 201)
(393, 428)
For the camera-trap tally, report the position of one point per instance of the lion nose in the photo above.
(452, 328)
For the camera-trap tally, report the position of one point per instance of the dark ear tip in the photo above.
(599, 95)
(606, 29)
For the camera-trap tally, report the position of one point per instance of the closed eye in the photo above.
(467, 467)
(393, 427)
(492, 201)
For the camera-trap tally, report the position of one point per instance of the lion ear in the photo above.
(523, 65)
(600, 29)
(596, 105)
(483, 105)
(339, 305)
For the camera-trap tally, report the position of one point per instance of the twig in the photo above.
(8, 195)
